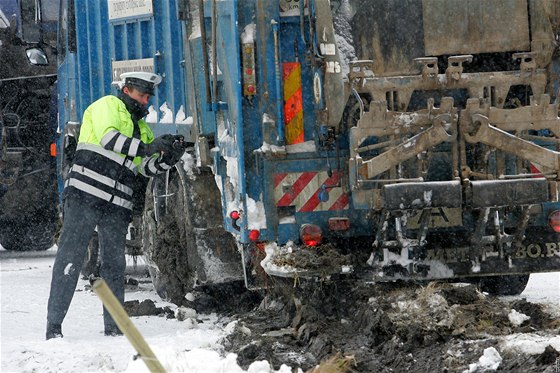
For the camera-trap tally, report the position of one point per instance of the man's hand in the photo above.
(174, 153)
(160, 144)
(180, 142)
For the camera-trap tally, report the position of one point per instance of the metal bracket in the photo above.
(429, 66)
(359, 70)
(528, 62)
(455, 66)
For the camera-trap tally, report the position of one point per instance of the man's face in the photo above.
(140, 97)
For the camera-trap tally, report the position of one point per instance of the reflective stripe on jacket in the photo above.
(107, 174)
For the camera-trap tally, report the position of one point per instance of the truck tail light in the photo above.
(311, 234)
(554, 221)
(234, 215)
(254, 235)
(53, 150)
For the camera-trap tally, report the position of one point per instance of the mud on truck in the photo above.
(28, 196)
(368, 140)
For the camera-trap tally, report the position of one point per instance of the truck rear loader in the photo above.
(373, 140)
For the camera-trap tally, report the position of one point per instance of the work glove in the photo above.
(174, 153)
(159, 145)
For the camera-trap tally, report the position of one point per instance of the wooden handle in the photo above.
(124, 323)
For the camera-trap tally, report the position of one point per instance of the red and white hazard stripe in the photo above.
(301, 189)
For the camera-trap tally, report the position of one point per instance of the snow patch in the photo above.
(167, 117)
(287, 220)
(248, 35)
(256, 215)
(267, 148)
(184, 313)
(530, 344)
(181, 117)
(230, 328)
(271, 251)
(152, 116)
(199, 361)
(490, 360)
(302, 147)
(343, 35)
(189, 163)
(517, 318)
(475, 266)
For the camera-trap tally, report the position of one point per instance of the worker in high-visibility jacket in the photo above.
(115, 147)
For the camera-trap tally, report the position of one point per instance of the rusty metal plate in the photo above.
(475, 26)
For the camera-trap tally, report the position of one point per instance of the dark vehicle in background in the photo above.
(28, 195)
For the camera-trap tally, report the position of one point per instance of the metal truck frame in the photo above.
(421, 144)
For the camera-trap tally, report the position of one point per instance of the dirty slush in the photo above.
(384, 327)
(397, 327)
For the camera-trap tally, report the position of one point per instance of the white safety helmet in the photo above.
(141, 80)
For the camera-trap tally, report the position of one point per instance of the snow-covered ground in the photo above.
(180, 346)
(24, 289)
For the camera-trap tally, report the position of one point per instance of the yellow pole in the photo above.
(124, 323)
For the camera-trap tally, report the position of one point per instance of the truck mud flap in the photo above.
(407, 196)
(493, 193)
(217, 258)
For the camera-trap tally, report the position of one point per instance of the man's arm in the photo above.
(152, 166)
(117, 142)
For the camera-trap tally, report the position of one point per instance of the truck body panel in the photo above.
(421, 134)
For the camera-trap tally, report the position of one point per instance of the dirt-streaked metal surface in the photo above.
(487, 26)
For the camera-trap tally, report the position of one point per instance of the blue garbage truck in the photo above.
(370, 140)
(29, 217)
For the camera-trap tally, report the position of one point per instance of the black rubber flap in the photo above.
(494, 193)
(409, 196)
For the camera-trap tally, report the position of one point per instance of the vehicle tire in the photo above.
(157, 248)
(504, 285)
(92, 264)
(29, 218)
(184, 242)
(29, 235)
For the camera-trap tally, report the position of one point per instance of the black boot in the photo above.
(112, 331)
(54, 331)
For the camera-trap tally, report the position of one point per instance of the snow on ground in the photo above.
(180, 347)
(544, 288)
(24, 289)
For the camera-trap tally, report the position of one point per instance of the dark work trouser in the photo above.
(79, 224)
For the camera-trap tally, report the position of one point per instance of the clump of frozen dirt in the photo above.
(393, 327)
(226, 299)
(146, 308)
(323, 257)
